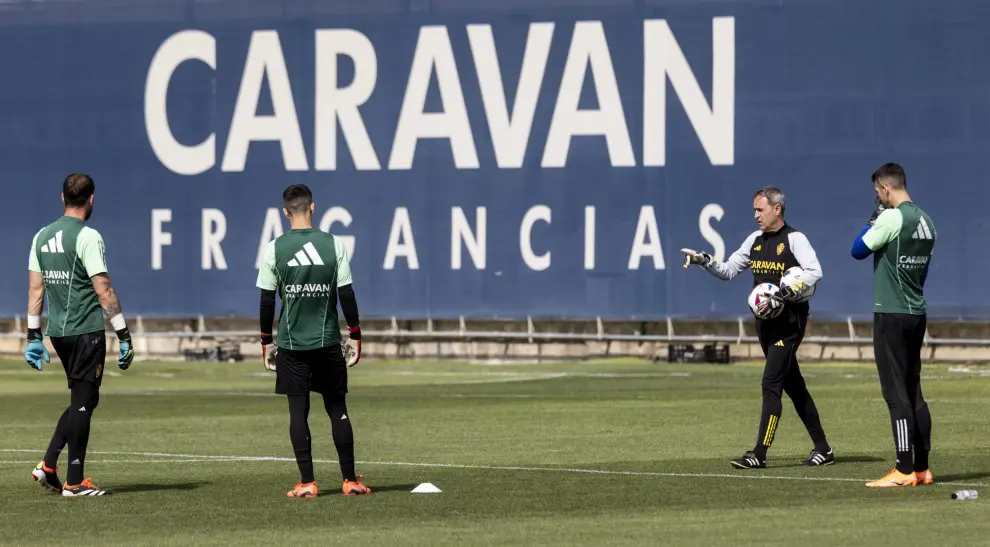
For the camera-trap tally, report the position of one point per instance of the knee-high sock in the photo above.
(59, 439)
(85, 396)
(299, 433)
(343, 435)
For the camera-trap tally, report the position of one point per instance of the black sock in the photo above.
(343, 435)
(903, 439)
(85, 397)
(59, 439)
(299, 433)
(922, 436)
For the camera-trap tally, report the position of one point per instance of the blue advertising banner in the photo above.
(489, 160)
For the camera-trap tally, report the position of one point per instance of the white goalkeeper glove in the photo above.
(352, 347)
(694, 257)
(268, 353)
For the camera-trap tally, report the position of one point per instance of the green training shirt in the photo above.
(306, 267)
(68, 254)
(902, 240)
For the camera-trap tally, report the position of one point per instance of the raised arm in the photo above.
(874, 237)
(737, 262)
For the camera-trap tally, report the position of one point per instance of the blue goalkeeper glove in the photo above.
(36, 350)
(126, 349)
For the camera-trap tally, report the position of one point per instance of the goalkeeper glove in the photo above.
(771, 306)
(877, 209)
(352, 347)
(788, 293)
(126, 355)
(36, 350)
(268, 351)
(695, 257)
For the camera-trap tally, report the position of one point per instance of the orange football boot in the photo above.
(925, 477)
(894, 479)
(356, 488)
(307, 490)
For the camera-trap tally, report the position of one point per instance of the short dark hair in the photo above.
(297, 198)
(774, 195)
(891, 174)
(77, 189)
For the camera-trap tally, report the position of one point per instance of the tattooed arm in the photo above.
(108, 297)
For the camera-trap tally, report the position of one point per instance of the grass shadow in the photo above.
(955, 477)
(375, 489)
(838, 460)
(135, 488)
(858, 459)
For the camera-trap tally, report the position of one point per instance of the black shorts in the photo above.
(82, 356)
(320, 370)
(897, 342)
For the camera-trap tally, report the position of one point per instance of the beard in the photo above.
(89, 211)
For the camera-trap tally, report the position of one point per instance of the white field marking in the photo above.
(461, 374)
(115, 462)
(522, 378)
(490, 396)
(207, 458)
(173, 392)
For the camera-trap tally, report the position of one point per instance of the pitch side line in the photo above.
(208, 458)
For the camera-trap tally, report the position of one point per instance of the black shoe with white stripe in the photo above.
(817, 458)
(87, 488)
(748, 461)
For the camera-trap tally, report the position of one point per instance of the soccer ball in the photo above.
(794, 278)
(761, 302)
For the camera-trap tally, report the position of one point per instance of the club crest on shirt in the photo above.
(780, 249)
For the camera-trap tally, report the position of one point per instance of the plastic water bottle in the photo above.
(965, 495)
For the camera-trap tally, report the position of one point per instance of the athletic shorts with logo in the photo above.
(82, 356)
(321, 370)
(897, 342)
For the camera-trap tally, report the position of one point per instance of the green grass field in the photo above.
(581, 453)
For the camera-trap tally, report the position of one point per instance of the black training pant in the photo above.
(897, 342)
(323, 371)
(82, 358)
(780, 338)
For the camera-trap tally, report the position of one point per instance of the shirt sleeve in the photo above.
(343, 264)
(805, 254)
(33, 264)
(90, 249)
(267, 276)
(736, 263)
(884, 230)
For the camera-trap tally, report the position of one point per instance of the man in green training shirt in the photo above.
(68, 264)
(310, 271)
(901, 237)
